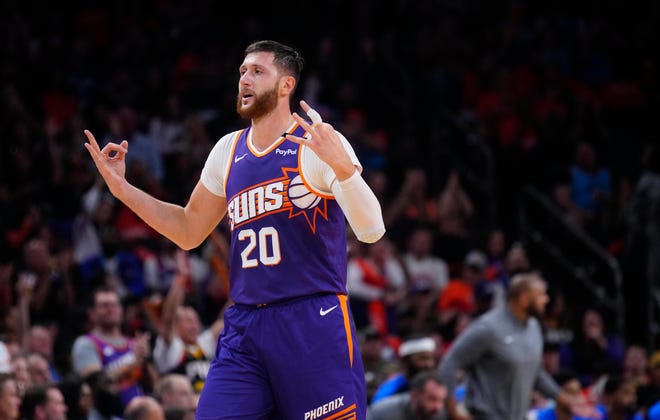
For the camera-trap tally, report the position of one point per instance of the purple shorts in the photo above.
(297, 360)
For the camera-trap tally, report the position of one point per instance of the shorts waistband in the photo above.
(286, 301)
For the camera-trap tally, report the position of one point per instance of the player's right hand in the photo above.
(110, 161)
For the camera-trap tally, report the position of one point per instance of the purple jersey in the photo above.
(286, 241)
(114, 358)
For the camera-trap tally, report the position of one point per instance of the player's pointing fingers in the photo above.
(311, 113)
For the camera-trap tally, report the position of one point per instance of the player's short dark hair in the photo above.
(287, 59)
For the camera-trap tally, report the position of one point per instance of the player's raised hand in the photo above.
(110, 161)
(324, 141)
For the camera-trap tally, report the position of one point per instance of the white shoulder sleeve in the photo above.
(217, 164)
(359, 203)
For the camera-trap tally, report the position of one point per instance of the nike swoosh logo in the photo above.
(327, 311)
(237, 158)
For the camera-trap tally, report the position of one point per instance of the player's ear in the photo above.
(287, 85)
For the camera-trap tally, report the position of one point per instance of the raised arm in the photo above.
(186, 226)
(354, 196)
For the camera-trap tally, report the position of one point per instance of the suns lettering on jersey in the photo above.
(272, 197)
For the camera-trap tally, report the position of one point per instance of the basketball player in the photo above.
(288, 350)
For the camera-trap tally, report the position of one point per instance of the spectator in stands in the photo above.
(591, 185)
(410, 207)
(182, 346)
(19, 369)
(649, 393)
(38, 369)
(378, 358)
(144, 408)
(425, 269)
(570, 384)
(53, 294)
(77, 397)
(635, 365)
(424, 401)
(10, 400)
(105, 347)
(459, 295)
(595, 351)
(416, 354)
(43, 402)
(40, 340)
(376, 284)
(619, 399)
(106, 401)
(455, 211)
(174, 391)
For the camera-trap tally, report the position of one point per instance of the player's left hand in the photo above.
(325, 142)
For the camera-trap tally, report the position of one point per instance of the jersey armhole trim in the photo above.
(231, 158)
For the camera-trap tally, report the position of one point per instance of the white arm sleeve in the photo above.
(361, 208)
(353, 195)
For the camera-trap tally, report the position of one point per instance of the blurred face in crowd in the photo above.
(41, 341)
(624, 399)
(188, 325)
(36, 255)
(516, 260)
(420, 243)
(107, 312)
(54, 408)
(496, 243)
(153, 410)
(592, 324)
(9, 400)
(20, 369)
(417, 362)
(180, 394)
(635, 361)
(258, 86)
(429, 401)
(38, 369)
(573, 388)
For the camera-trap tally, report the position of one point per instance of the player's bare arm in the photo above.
(185, 226)
(325, 142)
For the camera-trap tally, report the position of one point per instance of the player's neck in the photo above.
(269, 128)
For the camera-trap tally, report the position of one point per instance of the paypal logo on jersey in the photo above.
(286, 152)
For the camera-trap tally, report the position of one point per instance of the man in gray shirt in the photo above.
(425, 401)
(500, 353)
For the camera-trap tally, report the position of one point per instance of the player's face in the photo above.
(258, 91)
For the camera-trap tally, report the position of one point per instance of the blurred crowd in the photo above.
(452, 107)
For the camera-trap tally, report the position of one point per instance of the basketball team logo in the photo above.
(287, 193)
(300, 196)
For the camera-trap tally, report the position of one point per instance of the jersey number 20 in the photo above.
(268, 243)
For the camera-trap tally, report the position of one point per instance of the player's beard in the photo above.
(262, 105)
